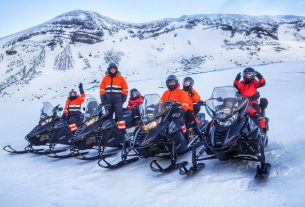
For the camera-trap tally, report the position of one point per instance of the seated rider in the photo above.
(248, 87)
(194, 97)
(175, 94)
(135, 99)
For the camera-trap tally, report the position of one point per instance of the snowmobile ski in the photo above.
(262, 172)
(117, 165)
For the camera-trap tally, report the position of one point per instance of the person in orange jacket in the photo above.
(248, 87)
(194, 97)
(114, 91)
(174, 93)
(72, 110)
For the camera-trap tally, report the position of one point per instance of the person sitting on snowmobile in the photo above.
(114, 91)
(72, 110)
(248, 87)
(135, 100)
(175, 94)
(194, 97)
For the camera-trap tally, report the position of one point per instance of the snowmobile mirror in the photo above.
(60, 108)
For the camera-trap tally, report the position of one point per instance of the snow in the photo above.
(33, 180)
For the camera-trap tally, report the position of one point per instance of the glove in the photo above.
(81, 90)
(191, 94)
(103, 99)
(258, 75)
(238, 76)
(124, 98)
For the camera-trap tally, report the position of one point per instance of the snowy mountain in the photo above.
(78, 45)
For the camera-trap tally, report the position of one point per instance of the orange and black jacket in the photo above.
(73, 107)
(115, 86)
(250, 89)
(193, 98)
(178, 95)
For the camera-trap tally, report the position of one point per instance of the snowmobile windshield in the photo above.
(47, 110)
(149, 108)
(225, 101)
(91, 107)
(101, 111)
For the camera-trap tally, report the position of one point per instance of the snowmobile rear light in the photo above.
(91, 121)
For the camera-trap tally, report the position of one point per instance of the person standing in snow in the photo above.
(114, 91)
(72, 110)
(248, 87)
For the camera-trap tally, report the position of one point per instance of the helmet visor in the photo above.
(171, 82)
(248, 75)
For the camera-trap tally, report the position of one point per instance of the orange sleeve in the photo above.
(196, 96)
(66, 107)
(237, 84)
(103, 86)
(81, 98)
(124, 86)
(162, 100)
(184, 99)
(260, 83)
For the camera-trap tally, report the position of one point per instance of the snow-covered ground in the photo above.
(31, 180)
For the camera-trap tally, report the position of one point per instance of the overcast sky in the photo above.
(17, 15)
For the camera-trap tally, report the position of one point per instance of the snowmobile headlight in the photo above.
(229, 121)
(149, 126)
(91, 121)
(46, 121)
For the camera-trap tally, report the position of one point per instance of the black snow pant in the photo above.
(74, 121)
(197, 108)
(115, 100)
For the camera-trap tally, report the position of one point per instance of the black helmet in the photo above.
(248, 75)
(170, 79)
(134, 94)
(72, 94)
(190, 86)
(112, 65)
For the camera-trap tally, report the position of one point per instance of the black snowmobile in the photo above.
(158, 136)
(50, 131)
(98, 133)
(231, 134)
(90, 111)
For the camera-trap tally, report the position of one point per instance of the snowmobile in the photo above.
(98, 133)
(89, 112)
(159, 136)
(231, 134)
(50, 131)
